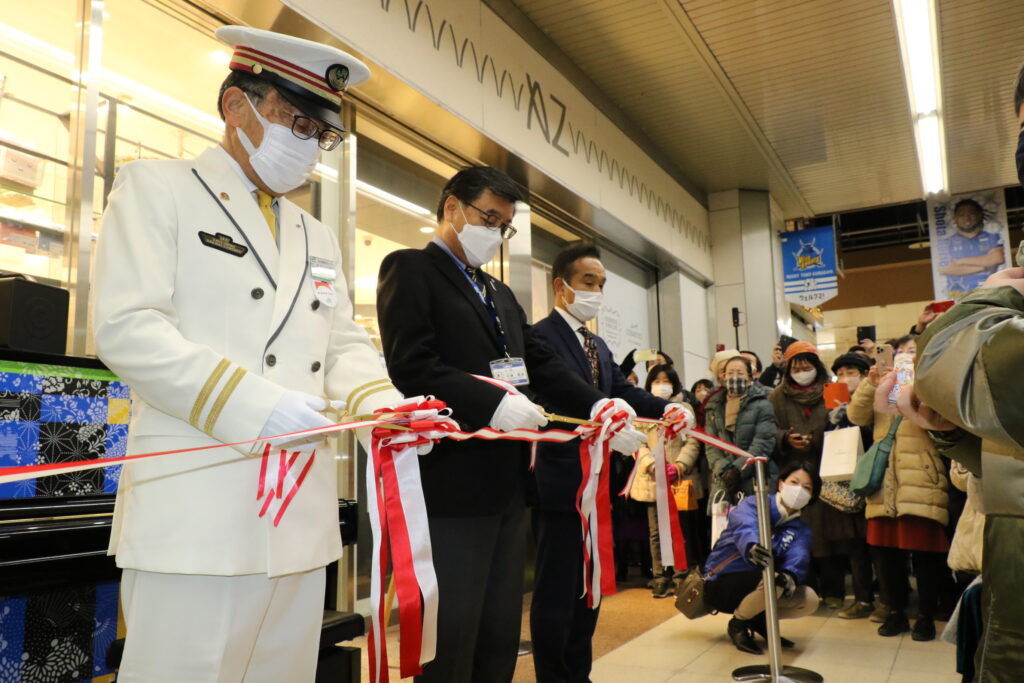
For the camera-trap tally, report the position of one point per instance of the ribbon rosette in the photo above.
(398, 519)
(593, 503)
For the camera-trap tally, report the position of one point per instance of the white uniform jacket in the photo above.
(210, 323)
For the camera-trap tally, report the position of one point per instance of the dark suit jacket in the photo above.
(436, 333)
(558, 471)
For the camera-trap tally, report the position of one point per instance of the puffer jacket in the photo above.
(965, 550)
(791, 541)
(915, 480)
(681, 452)
(755, 433)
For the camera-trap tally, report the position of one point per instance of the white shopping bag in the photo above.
(839, 455)
(720, 509)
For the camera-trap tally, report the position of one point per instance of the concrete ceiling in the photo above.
(804, 98)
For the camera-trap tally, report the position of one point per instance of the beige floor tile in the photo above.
(691, 677)
(941, 659)
(722, 658)
(900, 675)
(659, 653)
(633, 673)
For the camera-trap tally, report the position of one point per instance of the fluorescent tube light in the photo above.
(919, 48)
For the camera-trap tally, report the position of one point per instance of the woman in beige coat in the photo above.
(908, 514)
(681, 456)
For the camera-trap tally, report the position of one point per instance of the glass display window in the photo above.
(37, 93)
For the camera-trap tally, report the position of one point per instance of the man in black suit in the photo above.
(442, 320)
(561, 624)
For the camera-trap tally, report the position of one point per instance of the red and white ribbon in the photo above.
(593, 503)
(397, 509)
(398, 520)
(670, 533)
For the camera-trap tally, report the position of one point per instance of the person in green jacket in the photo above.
(967, 392)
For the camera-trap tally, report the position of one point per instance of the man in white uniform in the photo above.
(223, 306)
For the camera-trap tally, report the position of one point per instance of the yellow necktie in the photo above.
(266, 202)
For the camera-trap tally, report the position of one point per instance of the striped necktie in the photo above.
(590, 350)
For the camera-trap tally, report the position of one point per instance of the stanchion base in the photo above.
(761, 673)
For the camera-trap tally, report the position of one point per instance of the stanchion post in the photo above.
(774, 672)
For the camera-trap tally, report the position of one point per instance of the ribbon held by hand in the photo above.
(398, 520)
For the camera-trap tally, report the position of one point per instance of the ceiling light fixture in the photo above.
(394, 201)
(917, 28)
(427, 229)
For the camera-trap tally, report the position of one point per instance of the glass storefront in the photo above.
(156, 68)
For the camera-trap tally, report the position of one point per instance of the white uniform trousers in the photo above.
(185, 628)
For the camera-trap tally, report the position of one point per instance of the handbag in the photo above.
(840, 453)
(870, 471)
(690, 592)
(684, 493)
(838, 495)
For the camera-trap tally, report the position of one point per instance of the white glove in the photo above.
(296, 411)
(517, 412)
(626, 440)
(674, 411)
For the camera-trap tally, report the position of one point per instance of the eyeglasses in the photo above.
(305, 128)
(492, 219)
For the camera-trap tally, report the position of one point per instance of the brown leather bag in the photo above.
(690, 591)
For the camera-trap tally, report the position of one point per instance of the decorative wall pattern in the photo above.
(58, 636)
(54, 413)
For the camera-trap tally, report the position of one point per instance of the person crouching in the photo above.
(734, 568)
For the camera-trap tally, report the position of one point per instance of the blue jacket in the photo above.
(558, 472)
(791, 542)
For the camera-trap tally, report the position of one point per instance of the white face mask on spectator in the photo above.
(662, 390)
(794, 496)
(804, 378)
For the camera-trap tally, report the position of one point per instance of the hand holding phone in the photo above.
(883, 357)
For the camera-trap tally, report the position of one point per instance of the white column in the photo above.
(744, 226)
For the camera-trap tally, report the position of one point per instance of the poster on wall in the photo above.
(970, 241)
(809, 265)
(623, 321)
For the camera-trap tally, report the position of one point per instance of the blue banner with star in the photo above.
(809, 265)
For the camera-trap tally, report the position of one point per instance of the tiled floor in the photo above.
(678, 650)
(683, 651)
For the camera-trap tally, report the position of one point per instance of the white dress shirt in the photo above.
(574, 324)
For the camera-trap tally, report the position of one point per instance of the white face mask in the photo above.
(585, 305)
(804, 378)
(794, 496)
(282, 161)
(479, 242)
(661, 390)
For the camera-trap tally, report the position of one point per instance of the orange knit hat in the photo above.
(796, 348)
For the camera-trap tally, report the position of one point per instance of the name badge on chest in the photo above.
(325, 293)
(511, 370)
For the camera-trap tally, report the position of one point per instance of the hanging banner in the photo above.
(809, 265)
(970, 241)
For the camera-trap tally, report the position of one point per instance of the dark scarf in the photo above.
(806, 397)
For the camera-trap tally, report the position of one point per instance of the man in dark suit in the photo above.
(561, 624)
(442, 320)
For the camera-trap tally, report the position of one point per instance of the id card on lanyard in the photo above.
(508, 369)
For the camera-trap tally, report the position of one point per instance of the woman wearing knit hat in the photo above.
(843, 535)
(801, 416)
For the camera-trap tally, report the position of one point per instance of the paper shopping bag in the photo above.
(720, 510)
(685, 494)
(839, 456)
